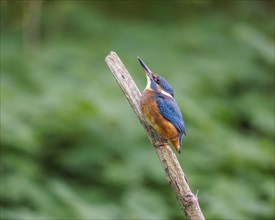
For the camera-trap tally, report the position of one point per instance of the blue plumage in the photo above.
(160, 108)
(163, 84)
(169, 109)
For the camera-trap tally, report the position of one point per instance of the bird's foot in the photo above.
(160, 144)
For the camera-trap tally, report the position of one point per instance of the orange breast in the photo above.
(152, 115)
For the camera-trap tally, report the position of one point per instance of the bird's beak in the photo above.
(147, 71)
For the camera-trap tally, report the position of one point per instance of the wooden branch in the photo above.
(176, 178)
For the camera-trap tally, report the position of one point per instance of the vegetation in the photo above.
(72, 148)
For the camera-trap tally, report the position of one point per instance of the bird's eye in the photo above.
(157, 80)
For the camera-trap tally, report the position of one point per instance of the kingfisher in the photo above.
(160, 109)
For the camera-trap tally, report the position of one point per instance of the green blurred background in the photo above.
(71, 147)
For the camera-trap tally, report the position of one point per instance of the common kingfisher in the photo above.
(160, 109)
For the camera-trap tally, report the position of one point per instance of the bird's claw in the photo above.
(160, 144)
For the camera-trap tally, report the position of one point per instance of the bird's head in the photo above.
(156, 82)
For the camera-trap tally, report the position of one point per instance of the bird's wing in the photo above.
(169, 109)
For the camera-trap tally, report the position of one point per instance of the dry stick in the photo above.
(176, 178)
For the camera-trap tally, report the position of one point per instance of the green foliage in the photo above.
(72, 148)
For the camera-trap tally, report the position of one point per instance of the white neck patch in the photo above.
(166, 93)
(148, 86)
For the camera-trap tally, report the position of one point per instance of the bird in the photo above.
(160, 109)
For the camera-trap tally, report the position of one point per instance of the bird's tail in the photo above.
(176, 143)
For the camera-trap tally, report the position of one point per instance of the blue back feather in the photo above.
(169, 109)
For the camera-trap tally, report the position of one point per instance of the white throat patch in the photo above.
(148, 83)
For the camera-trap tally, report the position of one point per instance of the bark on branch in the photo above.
(176, 178)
